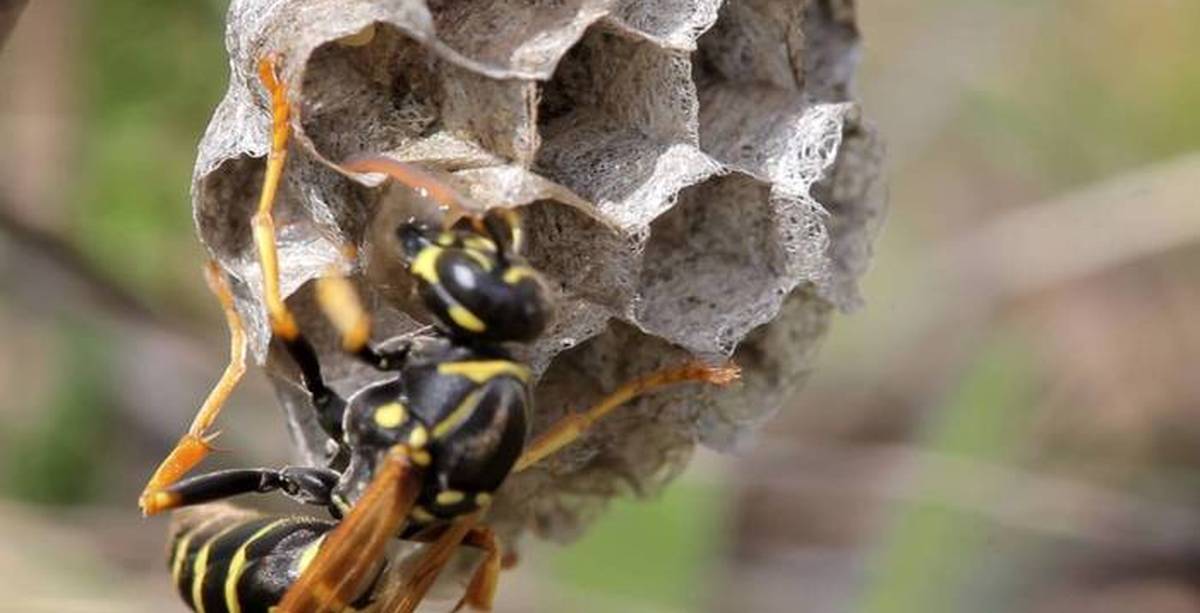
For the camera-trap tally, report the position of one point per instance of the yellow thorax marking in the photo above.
(460, 414)
(421, 514)
(418, 437)
(484, 261)
(390, 415)
(513, 275)
(310, 552)
(238, 565)
(424, 266)
(481, 371)
(200, 568)
(421, 457)
(479, 243)
(466, 319)
(449, 497)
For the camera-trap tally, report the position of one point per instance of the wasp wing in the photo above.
(345, 563)
(404, 596)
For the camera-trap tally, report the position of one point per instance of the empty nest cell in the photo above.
(526, 37)
(394, 94)
(713, 265)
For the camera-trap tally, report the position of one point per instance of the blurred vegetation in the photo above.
(150, 75)
(990, 108)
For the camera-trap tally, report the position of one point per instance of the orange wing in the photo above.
(347, 559)
(404, 596)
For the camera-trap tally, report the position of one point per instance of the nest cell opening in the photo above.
(370, 98)
(225, 201)
(528, 35)
(713, 265)
(622, 82)
(579, 255)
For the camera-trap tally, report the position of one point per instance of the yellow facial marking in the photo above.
(200, 568)
(459, 415)
(513, 275)
(466, 319)
(424, 266)
(390, 415)
(445, 239)
(479, 243)
(480, 371)
(237, 566)
(483, 499)
(449, 497)
(418, 437)
(421, 458)
(421, 514)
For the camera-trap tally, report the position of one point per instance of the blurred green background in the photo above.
(1009, 425)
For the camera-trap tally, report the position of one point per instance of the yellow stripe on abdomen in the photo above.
(200, 568)
(237, 565)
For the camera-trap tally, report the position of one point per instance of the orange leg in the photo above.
(454, 205)
(194, 445)
(481, 592)
(408, 594)
(571, 427)
(339, 301)
(283, 324)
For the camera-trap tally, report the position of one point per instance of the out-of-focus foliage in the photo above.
(148, 78)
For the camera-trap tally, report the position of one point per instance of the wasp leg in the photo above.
(481, 592)
(283, 323)
(329, 405)
(427, 185)
(571, 427)
(304, 484)
(341, 305)
(409, 593)
(504, 226)
(194, 445)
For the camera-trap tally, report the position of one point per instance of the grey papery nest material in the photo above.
(693, 177)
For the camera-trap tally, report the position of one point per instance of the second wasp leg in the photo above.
(305, 484)
(283, 324)
(481, 592)
(194, 445)
(340, 303)
(329, 405)
(409, 594)
(571, 427)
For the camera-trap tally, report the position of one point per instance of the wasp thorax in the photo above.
(477, 285)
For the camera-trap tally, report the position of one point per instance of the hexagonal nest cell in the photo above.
(393, 94)
(713, 265)
(664, 154)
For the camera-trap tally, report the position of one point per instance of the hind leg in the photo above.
(194, 445)
(571, 427)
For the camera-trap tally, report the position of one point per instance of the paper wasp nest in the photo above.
(693, 176)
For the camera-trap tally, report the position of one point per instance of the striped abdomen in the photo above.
(227, 560)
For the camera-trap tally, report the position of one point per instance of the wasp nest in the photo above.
(694, 178)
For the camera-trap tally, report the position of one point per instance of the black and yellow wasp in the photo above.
(421, 452)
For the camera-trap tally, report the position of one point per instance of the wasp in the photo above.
(424, 449)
